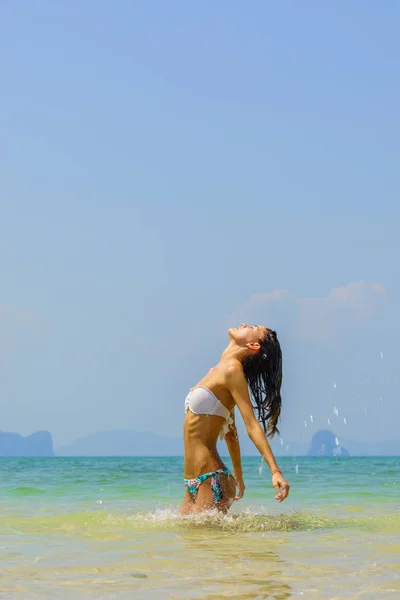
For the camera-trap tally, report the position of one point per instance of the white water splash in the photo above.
(297, 469)
(335, 411)
(248, 520)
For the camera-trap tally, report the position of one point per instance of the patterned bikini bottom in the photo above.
(192, 485)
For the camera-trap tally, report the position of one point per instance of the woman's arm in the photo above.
(232, 442)
(240, 393)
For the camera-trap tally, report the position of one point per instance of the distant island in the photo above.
(133, 443)
(37, 444)
(326, 443)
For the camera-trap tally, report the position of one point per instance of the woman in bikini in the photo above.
(249, 367)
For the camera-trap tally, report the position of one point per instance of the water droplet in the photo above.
(311, 419)
(382, 355)
(287, 448)
(99, 501)
(335, 411)
(281, 441)
(305, 423)
(329, 421)
(334, 385)
(345, 421)
(337, 441)
(297, 468)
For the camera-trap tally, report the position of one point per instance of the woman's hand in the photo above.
(281, 485)
(241, 487)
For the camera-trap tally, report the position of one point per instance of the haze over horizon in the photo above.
(168, 173)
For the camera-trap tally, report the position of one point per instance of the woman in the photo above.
(252, 359)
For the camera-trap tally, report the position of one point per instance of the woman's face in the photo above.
(247, 334)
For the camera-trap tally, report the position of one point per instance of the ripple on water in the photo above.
(248, 521)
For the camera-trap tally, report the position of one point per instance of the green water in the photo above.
(110, 528)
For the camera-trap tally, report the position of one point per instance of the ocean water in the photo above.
(80, 528)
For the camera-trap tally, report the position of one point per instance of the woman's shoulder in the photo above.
(231, 367)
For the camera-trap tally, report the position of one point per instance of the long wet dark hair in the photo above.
(263, 373)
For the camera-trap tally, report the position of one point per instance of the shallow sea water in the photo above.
(110, 528)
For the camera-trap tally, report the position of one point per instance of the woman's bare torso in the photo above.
(200, 432)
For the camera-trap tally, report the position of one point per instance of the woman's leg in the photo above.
(228, 493)
(187, 504)
(205, 497)
(204, 500)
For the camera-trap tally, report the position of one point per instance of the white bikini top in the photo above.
(201, 401)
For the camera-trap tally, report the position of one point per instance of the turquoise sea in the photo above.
(80, 528)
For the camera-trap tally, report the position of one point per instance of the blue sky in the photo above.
(169, 169)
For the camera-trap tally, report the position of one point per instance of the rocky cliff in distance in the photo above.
(37, 444)
(136, 443)
(326, 443)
